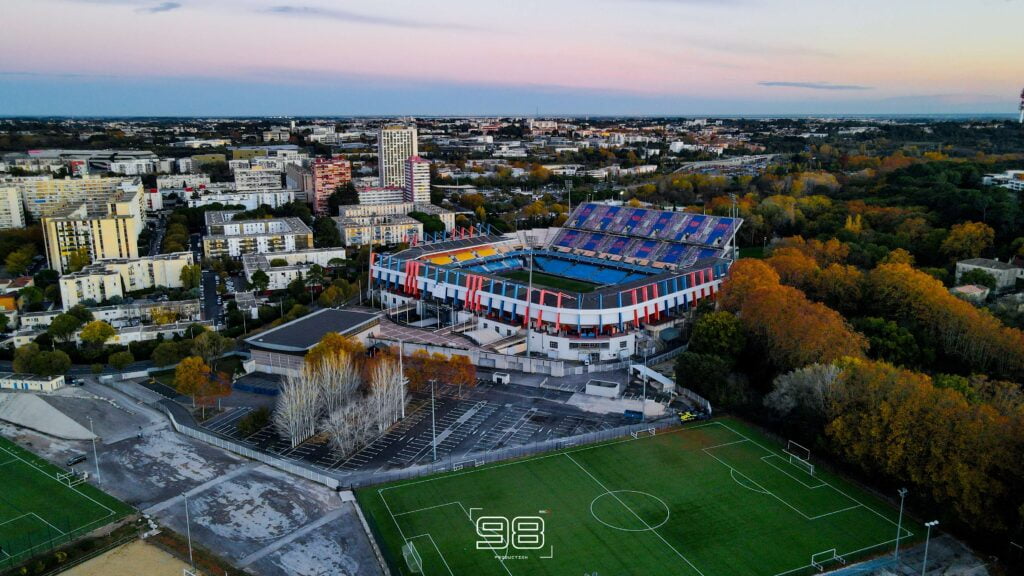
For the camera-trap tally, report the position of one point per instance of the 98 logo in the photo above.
(500, 533)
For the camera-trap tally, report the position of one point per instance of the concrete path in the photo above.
(203, 487)
(277, 545)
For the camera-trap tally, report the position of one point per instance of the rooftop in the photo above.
(988, 263)
(301, 334)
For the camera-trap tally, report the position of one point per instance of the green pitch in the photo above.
(712, 499)
(38, 511)
(549, 281)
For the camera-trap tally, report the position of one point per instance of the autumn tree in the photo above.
(463, 372)
(213, 389)
(191, 376)
(96, 333)
(191, 276)
(334, 343)
(968, 240)
(417, 369)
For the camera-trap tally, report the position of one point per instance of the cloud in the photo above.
(348, 16)
(814, 85)
(161, 7)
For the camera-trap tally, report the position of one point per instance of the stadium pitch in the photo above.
(550, 281)
(710, 499)
(41, 507)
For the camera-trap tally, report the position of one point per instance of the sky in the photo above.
(509, 57)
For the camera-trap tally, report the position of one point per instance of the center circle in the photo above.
(630, 510)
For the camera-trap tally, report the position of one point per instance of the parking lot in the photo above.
(484, 418)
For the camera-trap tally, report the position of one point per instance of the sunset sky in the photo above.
(341, 57)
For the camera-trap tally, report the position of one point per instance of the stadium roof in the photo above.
(301, 334)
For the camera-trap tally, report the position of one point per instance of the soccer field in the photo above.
(713, 499)
(550, 281)
(39, 511)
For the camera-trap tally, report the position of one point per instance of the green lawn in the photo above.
(711, 499)
(549, 281)
(38, 511)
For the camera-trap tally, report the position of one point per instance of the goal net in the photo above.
(800, 456)
(72, 479)
(412, 557)
(819, 559)
(642, 433)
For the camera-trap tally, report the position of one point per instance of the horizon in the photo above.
(618, 58)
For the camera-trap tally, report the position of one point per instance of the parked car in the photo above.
(76, 459)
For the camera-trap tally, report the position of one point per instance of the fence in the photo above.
(230, 446)
(470, 460)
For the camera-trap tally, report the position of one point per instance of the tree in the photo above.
(709, 376)
(297, 409)
(978, 276)
(23, 357)
(47, 363)
(333, 344)
(463, 372)
(260, 281)
(81, 312)
(96, 333)
(417, 369)
(191, 376)
(29, 297)
(120, 360)
(388, 395)
(968, 240)
(211, 345)
(78, 260)
(46, 278)
(719, 333)
(332, 297)
(191, 276)
(337, 378)
(18, 262)
(326, 233)
(162, 315)
(167, 353)
(254, 421)
(212, 389)
(4, 321)
(63, 327)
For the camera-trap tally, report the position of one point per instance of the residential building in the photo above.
(417, 180)
(134, 166)
(398, 209)
(257, 178)
(250, 199)
(1006, 274)
(45, 195)
(395, 144)
(12, 211)
(89, 232)
(30, 382)
(1012, 179)
(104, 280)
(228, 237)
(384, 224)
(297, 264)
(179, 181)
(328, 174)
(300, 179)
(377, 195)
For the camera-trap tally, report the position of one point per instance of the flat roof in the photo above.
(301, 334)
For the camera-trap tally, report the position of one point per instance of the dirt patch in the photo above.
(137, 557)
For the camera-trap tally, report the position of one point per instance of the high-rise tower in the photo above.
(395, 145)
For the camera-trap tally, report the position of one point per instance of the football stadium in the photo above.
(582, 292)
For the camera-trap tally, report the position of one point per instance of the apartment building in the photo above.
(328, 174)
(235, 238)
(12, 211)
(374, 224)
(104, 280)
(417, 180)
(395, 144)
(297, 264)
(257, 178)
(378, 195)
(250, 199)
(46, 196)
(90, 232)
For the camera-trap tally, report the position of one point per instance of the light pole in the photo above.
(899, 525)
(929, 525)
(188, 530)
(433, 422)
(95, 456)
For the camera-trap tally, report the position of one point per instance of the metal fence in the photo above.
(456, 462)
(289, 467)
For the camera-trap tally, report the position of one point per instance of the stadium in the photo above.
(603, 287)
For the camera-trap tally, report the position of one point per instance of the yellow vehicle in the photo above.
(687, 416)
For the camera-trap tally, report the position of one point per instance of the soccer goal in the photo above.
(72, 479)
(466, 464)
(819, 559)
(412, 557)
(800, 456)
(642, 433)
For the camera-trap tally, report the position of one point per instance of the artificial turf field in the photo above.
(550, 281)
(38, 511)
(712, 499)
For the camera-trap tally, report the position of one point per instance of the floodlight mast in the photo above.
(899, 525)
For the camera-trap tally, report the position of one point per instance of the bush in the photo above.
(254, 421)
(97, 368)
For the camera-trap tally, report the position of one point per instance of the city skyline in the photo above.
(612, 57)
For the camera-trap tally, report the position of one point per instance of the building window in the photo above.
(553, 344)
(622, 344)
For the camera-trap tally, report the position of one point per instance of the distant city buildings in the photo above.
(395, 145)
(328, 174)
(1011, 179)
(45, 195)
(373, 195)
